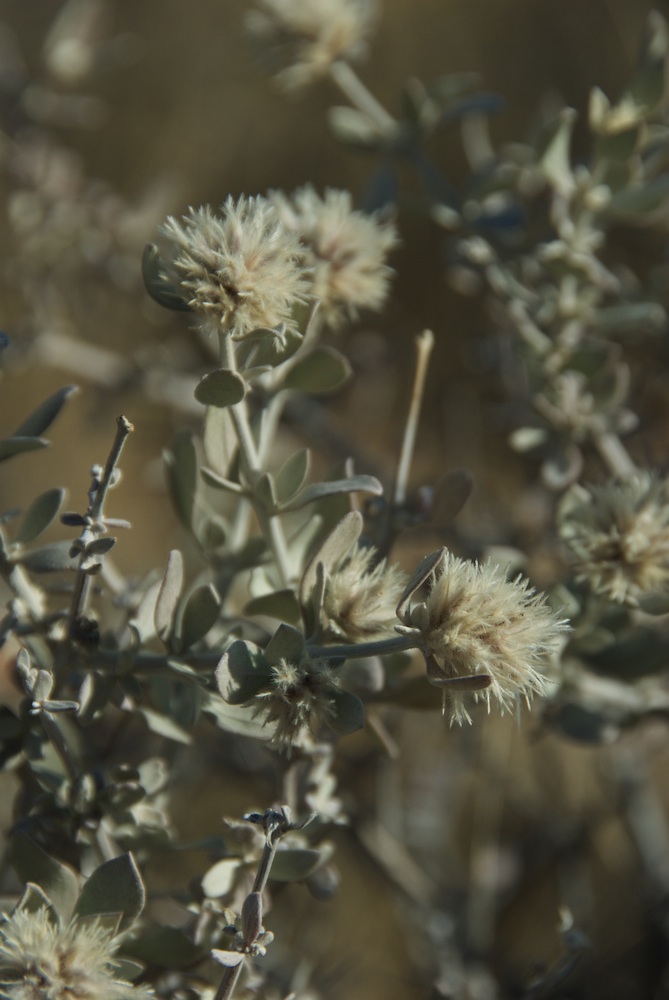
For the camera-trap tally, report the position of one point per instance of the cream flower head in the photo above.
(241, 269)
(345, 250)
(307, 36)
(619, 537)
(360, 597)
(483, 635)
(40, 960)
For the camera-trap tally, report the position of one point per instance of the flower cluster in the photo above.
(306, 37)
(360, 597)
(484, 635)
(344, 250)
(240, 269)
(619, 537)
(298, 699)
(41, 959)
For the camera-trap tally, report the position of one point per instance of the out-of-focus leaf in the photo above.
(356, 484)
(636, 316)
(182, 474)
(322, 370)
(353, 128)
(640, 198)
(114, 887)
(648, 85)
(220, 878)
(291, 477)
(49, 558)
(39, 515)
(164, 726)
(415, 693)
(239, 719)
(157, 281)
(100, 546)
(229, 959)
(282, 604)
(556, 159)
(264, 491)
(221, 388)
(32, 864)
(640, 653)
(45, 414)
(199, 615)
(586, 725)
(33, 899)
(17, 445)
(349, 713)
(451, 494)
(168, 596)
(166, 947)
(292, 864)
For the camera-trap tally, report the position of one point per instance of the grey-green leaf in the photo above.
(349, 713)
(221, 388)
(292, 475)
(342, 538)
(114, 887)
(322, 370)
(32, 864)
(168, 596)
(182, 473)
(292, 864)
(282, 604)
(157, 282)
(199, 615)
(49, 558)
(19, 444)
(356, 484)
(39, 515)
(287, 643)
(45, 414)
(241, 673)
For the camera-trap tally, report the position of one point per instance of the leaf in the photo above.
(353, 128)
(114, 887)
(282, 604)
(100, 546)
(49, 558)
(199, 616)
(556, 161)
(291, 477)
(241, 673)
(168, 596)
(219, 879)
(39, 515)
(221, 388)
(157, 281)
(349, 713)
(356, 484)
(451, 494)
(640, 198)
(166, 947)
(45, 414)
(17, 445)
(322, 370)
(420, 575)
(182, 475)
(287, 643)
(343, 537)
(33, 899)
(164, 726)
(292, 864)
(32, 864)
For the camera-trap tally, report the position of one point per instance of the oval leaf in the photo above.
(349, 713)
(182, 466)
(158, 283)
(39, 515)
(32, 864)
(356, 484)
(168, 596)
(322, 370)
(115, 887)
(200, 615)
(292, 864)
(19, 444)
(221, 388)
(49, 558)
(240, 674)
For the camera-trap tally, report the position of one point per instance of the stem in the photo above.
(361, 98)
(82, 583)
(228, 982)
(269, 525)
(378, 647)
(615, 455)
(424, 345)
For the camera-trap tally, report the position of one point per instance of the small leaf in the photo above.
(556, 161)
(164, 726)
(100, 546)
(322, 370)
(287, 643)
(45, 414)
(291, 477)
(241, 673)
(39, 515)
(292, 864)
(230, 959)
(340, 540)
(264, 492)
(157, 282)
(182, 475)
(114, 887)
(168, 596)
(199, 616)
(349, 713)
(17, 445)
(221, 388)
(354, 128)
(220, 878)
(32, 864)
(420, 575)
(165, 947)
(282, 604)
(356, 484)
(33, 899)
(49, 558)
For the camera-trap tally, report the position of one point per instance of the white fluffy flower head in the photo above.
(241, 269)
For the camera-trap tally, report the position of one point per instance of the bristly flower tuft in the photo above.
(298, 700)
(305, 37)
(360, 598)
(345, 250)
(40, 960)
(484, 635)
(619, 537)
(242, 269)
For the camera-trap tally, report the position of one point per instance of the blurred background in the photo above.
(488, 830)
